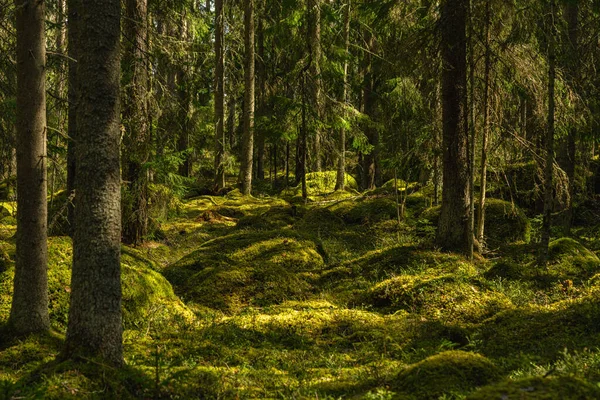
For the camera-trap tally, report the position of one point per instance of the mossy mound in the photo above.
(257, 268)
(569, 250)
(366, 210)
(148, 298)
(274, 218)
(320, 221)
(448, 373)
(561, 387)
(504, 222)
(448, 298)
(541, 332)
(411, 260)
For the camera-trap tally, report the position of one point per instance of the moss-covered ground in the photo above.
(260, 297)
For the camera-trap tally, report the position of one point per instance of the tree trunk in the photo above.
(454, 215)
(341, 167)
(369, 160)
(29, 310)
(219, 96)
(314, 43)
(72, 34)
(136, 140)
(183, 109)
(248, 138)
(549, 142)
(486, 129)
(572, 15)
(95, 325)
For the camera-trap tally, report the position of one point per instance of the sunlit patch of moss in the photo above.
(561, 387)
(319, 183)
(446, 297)
(447, 373)
(248, 267)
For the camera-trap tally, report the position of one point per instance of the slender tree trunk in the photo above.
(453, 227)
(262, 80)
(136, 151)
(219, 96)
(486, 129)
(95, 324)
(304, 136)
(549, 142)
(471, 156)
(572, 15)
(72, 36)
(314, 42)
(29, 310)
(341, 167)
(183, 108)
(370, 160)
(248, 138)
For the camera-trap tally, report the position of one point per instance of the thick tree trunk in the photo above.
(29, 311)
(135, 119)
(95, 325)
(248, 137)
(549, 142)
(219, 96)
(454, 216)
(341, 167)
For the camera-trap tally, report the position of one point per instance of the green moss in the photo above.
(447, 373)
(541, 333)
(569, 249)
(247, 268)
(148, 299)
(448, 298)
(562, 387)
(319, 184)
(365, 210)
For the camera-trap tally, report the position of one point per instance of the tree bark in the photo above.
(486, 129)
(549, 142)
(454, 215)
(73, 7)
(341, 167)
(248, 137)
(314, 43)
(136, 142)
(572, 16)
(29, 310)
(219, 96)
(95, 322)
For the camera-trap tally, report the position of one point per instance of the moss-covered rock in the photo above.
(504, 222)
(258, 268)
(447, 373)
(538, 388)
(448, 298)
(570, 250)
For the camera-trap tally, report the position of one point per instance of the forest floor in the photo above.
(268, 297)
